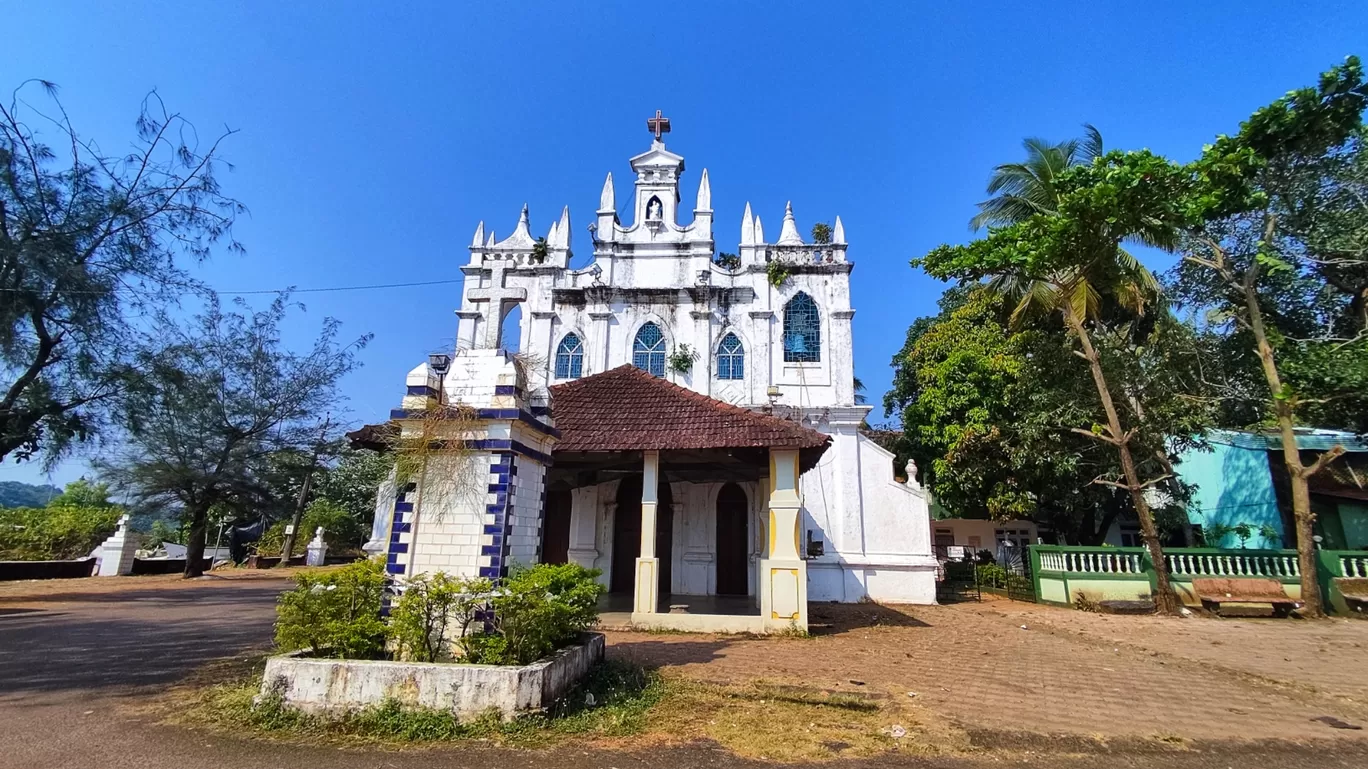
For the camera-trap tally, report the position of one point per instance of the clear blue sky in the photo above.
(373, 139)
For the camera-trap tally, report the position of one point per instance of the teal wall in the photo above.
(1233, 487)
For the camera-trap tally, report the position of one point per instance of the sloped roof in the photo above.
(627, 409)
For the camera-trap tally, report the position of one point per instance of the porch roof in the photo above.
(628, 409)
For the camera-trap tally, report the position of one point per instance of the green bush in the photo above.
(542, 608)
(335, 613)
(433, 616)
(54, 533)
(341, 531)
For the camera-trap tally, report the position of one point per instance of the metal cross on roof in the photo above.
(658, 125)
(499, 297)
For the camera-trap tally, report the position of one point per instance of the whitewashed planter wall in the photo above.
(336, 686)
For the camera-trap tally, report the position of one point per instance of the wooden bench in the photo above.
(1214, 592)
(1355, 592)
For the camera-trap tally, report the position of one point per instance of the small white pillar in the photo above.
(317, 549)
(116, 554)
(783, 572)
(648, 565)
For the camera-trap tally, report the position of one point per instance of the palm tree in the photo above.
(1020, 190)
(860, 398)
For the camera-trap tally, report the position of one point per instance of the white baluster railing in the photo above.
(1354, 566)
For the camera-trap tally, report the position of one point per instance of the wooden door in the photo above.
(556, 527)
(626, 535)
(733, 541)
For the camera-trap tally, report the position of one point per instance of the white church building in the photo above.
(753, 341)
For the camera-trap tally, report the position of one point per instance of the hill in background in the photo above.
(16, 494)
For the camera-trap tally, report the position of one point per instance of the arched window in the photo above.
(731, 358)
(648, 350)
(802, 330)
(569, 357)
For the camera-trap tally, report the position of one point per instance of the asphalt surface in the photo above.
(74, 668)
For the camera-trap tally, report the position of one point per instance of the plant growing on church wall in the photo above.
(777, 271)
(540, 250)
(727, 261)
(821, 233)
(681, 359)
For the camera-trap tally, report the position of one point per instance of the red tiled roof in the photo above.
(627, 409)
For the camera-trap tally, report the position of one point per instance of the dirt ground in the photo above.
(1006, 667)
(78, 658)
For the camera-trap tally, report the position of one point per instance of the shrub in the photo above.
(54, 533)
(544, 607)
(341, 530)
(434, 614)
(334, 614)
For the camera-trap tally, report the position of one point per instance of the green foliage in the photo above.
(54, 533)
(540, 250)
(538, 610)
(341, 531)
(821, 233)
(995, 577)
(1021, 190)
(165, 532)
(681, 359)
(335, 613)
(433, 616)
(777, 272)
(88, 242)
(83, 493)
(353, 481)
(727, 261)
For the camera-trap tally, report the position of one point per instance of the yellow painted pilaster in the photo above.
(783, 572)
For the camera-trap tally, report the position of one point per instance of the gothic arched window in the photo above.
(802, 330)
(648, 349)
(569, 357)
(731, 358)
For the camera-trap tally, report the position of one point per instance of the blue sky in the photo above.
(372, 139)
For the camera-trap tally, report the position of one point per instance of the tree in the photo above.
(353, 482)
(1069, 263)
(1022, 190)
(83, 493)
(87, 240)
(216, 403)
(1277, 248)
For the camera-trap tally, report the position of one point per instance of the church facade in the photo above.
(768, 331)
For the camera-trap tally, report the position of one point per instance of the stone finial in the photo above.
(551, 234)
(491, 240)
(838, 233)
(606, 200)
(704, 193)
(759, 231)
(563, 231)
(478, 240)
(911, 469)
(747, 227)
(788, 234)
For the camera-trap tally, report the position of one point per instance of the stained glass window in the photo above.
(802, 330)
(648, 351)
(569, 357)
(731, 358)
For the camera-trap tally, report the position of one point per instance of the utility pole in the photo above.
(292, 533)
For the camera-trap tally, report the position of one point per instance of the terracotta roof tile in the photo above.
(627, 409)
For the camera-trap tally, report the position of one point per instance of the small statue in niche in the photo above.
(653, 209)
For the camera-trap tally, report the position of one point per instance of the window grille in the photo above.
(648, 350)
(570, 357)
(731, 358)
(802, 330)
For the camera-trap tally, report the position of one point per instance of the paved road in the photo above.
(69, 667)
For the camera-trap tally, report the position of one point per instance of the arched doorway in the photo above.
(733, 542)
(555, 539)
(627, 535)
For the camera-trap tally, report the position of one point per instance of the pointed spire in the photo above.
(759, 231)
(563, 229)
(489, 243)
(551, 235)
(606, 201)
(523, 223)
(478, 240)
(788, 235)
(704, 193)
(838, 234)
(747, 227)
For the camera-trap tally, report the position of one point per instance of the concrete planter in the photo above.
(336, 686)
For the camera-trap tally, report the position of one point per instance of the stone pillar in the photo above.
(317, 550)
(596, 357)
(783, 572)
(116, 554)
(648, 565)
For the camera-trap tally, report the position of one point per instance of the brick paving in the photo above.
(1067, 672)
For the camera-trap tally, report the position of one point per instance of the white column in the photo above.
(596, 357)
(783, 572)
(648, 565)
(703, 373)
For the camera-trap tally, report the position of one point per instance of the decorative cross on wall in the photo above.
(499, 297)
(658, 125)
